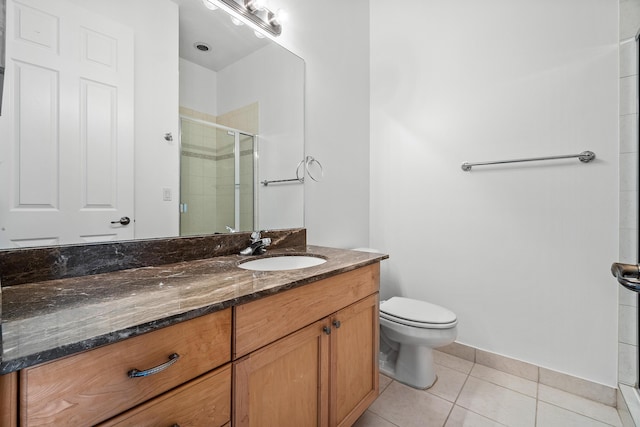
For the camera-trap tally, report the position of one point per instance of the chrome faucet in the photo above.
(258, 245)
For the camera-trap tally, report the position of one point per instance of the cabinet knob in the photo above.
(326, 330)
(336, 323)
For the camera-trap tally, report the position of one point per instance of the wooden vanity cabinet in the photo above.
(305, 356)
(297, 370)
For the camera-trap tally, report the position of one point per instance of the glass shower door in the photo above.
(216, 179)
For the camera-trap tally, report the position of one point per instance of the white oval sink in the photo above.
(277, 263)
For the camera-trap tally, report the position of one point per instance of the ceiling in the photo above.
(227, 41)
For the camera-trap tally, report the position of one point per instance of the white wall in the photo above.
(520, 253)
(333, 39)
(198, 88)
(157, 162)
(274, 78)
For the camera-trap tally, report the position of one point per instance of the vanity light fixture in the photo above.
(255, 5)
(209, 4)
(254, 12)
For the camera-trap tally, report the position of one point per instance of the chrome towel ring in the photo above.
(308, 161)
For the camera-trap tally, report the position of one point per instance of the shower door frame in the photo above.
(637, 40)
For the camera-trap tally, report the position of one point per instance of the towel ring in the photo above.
(306, 162)
(309, 160)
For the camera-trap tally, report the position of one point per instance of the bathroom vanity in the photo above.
(214, 344)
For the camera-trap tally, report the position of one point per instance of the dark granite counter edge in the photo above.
(115, 336)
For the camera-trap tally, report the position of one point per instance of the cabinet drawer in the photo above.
(90, 387)
(205, 401)
(260, 322)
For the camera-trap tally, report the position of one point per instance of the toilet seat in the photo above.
(416, 313)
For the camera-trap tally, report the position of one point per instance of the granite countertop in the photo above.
(46, 320)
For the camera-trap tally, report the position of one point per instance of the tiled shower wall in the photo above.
(198, 170)
(628, 401)
(628, 308)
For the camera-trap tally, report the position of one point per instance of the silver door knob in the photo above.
(122, 221)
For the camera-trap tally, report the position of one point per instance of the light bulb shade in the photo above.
(209, 5)
(255, 5)
(281, 15)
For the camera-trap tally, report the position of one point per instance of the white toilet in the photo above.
(409, 331)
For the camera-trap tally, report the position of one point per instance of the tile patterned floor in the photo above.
(472, 395)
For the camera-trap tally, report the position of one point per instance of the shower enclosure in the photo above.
(628, 270)
(218, 166)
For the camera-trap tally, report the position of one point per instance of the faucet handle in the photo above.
(255, 236)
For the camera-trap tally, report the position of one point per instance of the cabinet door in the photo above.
(354, 361)
(9, 400)
(285, 383)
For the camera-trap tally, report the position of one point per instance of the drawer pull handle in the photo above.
(134, 373)
(336, 323)
(326, 330)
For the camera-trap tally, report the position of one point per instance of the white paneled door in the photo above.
(66, 149)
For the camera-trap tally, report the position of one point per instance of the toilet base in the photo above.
(411, 365)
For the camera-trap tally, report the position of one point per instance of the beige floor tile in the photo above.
(369, 419)
(590, 390)
(452, 362)
(497, 403)
(554, 416)
(384, 382)
(580, 405)
(506, 364)
(449, 383)
(460, 417)
(513, 382)
(408, 407)
(460, 350)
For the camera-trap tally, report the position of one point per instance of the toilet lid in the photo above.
(416, 311)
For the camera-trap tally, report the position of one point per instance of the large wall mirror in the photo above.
(139, 119)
